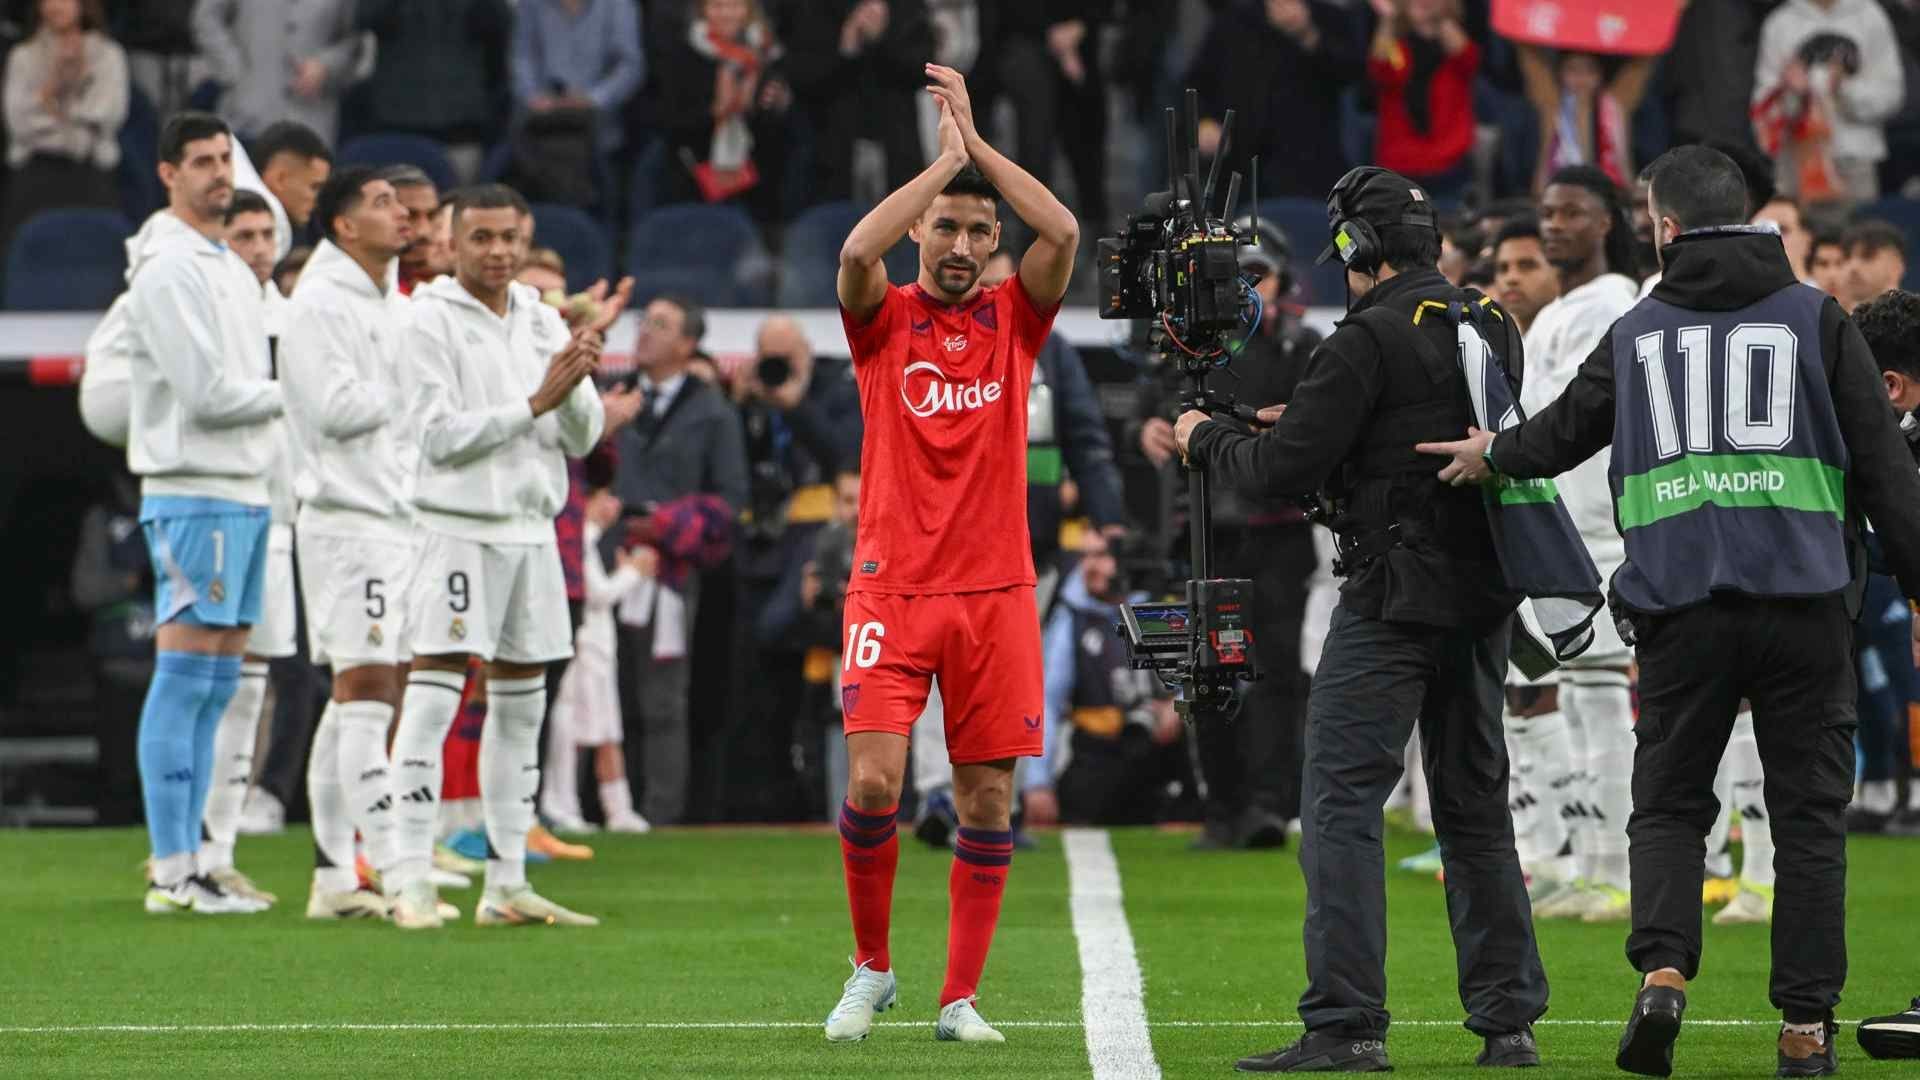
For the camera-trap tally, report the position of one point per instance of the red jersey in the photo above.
(943, 390)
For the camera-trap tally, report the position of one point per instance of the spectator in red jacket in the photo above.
(1422, 65)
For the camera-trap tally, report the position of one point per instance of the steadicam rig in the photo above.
(1178, 267)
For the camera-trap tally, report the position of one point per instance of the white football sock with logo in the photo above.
(426, 715)
(232, 768)
(510, 773)
(327, 801)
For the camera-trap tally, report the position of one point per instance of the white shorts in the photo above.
(357, 598)
(588, 708)
(494, 601)
(273, 636)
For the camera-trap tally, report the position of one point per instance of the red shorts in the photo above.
(984, 647)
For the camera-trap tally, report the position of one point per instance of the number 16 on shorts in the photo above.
(863, 645)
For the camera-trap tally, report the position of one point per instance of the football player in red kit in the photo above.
(942, 583)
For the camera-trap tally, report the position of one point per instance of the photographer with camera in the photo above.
(1252, 770)
(1421, 632)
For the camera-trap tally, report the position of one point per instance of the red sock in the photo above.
(871, 852)
(974, 887)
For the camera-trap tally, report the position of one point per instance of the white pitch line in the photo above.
(716, 1025)
(1112, 1004)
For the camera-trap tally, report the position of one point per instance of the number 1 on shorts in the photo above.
(863, 645)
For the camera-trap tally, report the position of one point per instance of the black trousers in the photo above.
(1375, 681)
(1255, 760)
(1793, 659)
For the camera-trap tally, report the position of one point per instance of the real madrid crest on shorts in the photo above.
(373, 634)
(217, 592)
(458, 631)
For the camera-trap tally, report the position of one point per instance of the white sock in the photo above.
(1878, 797)
(365, 776)
(1542, 749)
(427, 712)
(332, 826)
(1417, 800)
(616, 799)
(1748, 791)
(171, 870)
(1604, 704)
(1818, 1031)
(510, 774)
(232, 768)
(560, 782)
(1719, 857)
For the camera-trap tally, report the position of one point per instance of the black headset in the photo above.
(1355, 239)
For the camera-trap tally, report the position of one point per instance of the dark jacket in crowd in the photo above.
(1286, 100)
(869, 95)
(1717, 272)
(1350, 429)
(1083, 444)
(696, 448)
(1707, 77)
(440, 67)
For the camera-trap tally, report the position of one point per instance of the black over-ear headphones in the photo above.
(1357, 240)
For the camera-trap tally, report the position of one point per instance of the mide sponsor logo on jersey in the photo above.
(926, 391)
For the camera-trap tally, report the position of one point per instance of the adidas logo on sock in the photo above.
(178, 776)
(421, 794)
(385, 803)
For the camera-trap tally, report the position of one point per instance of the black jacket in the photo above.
(696, 449)
(1357, 391)
(441, 66)
(1726, 272)
(1286, 100)
(1080, 430)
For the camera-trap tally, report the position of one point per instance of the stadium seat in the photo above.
(1305, 223)
(397, 149)
(67, 260)
(140, 191)
(711, 253)
(649, 173)
(1905, 214)
(579, 239)
(812, 256)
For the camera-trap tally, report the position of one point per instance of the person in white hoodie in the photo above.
(1587, 234)
(498, 393)
(249, 234)
(342, 363)
(200, 437)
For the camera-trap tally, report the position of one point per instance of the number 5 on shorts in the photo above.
(863, 645)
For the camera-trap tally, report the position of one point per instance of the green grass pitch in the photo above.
(723, 950)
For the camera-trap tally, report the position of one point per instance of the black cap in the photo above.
(1379, 197)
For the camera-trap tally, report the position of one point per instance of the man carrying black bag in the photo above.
(1422, 632)
(1750, 429)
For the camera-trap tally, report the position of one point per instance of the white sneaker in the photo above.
(1608, 905)
(168, 900)
(261, 814)
(445, 858)
(239, 884)
(1747, 908)
(519, 905)
(1560, 900)
(206, 897)
(959, 1022)
(867, 992)
(629, 823)
(352, 904)
(447, 879)
(563, 822)
(417, 908)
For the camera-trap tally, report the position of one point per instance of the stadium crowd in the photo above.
(720, 149)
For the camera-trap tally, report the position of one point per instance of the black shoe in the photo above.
(1862, 820)
(938, 820)
(1646, 1047)
(1514, 1050)
(1321, 1052)
(1905, 823)
(1896, 1036)
(1261, 830)
(1800, 1055)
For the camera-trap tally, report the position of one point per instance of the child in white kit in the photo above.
(587, 713)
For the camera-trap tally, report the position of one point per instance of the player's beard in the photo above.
(956, 278)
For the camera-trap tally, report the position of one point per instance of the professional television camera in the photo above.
(1177, 266)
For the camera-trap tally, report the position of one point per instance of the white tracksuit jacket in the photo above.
(202, 394)
(342, 358)
(488, 470)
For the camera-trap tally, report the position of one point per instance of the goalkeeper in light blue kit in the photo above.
(201, 440)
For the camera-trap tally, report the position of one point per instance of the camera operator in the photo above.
(1422, 631)
(1252, 768)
